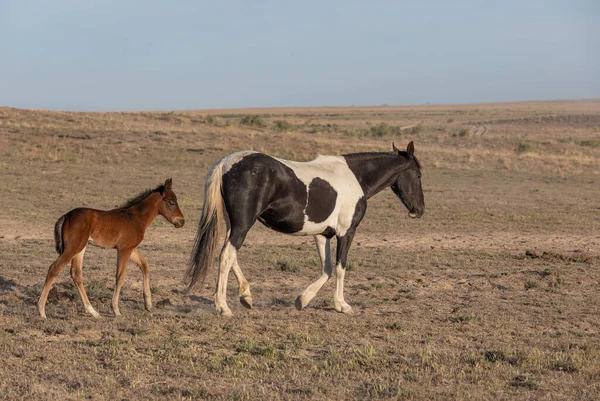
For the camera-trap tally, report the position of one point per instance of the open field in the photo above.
(493, 294)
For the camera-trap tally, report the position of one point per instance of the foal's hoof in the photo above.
(246, 302)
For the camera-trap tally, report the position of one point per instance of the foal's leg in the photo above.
(122, 259)
(77, 276)
(141, 262)
(324, 251)
(226, 260)
(343, 246)
(53, 271)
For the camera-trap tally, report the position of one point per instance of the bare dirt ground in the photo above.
(493, 294)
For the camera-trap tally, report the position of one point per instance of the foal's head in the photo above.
(169, 207)
(407, 185)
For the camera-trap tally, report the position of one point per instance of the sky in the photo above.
(100, 55)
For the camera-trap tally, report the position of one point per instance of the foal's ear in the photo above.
(410, 149)
(395, 148)
(168, 184)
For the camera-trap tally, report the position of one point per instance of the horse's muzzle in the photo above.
(179, 223)
(415, 214)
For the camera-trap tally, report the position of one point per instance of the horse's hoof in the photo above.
(347, 309)
(246, 301)
(224, 312)
(298, 303)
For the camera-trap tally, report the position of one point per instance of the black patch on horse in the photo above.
(321, 200)
(269, 191)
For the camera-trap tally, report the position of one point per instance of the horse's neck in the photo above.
(147, 208)
(375, 171)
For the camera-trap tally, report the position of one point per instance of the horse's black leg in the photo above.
(343, 246)
(310, 292)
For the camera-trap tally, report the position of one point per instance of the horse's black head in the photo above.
(407, 185)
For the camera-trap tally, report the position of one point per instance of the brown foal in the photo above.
(122, 229)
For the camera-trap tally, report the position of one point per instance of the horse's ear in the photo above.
(410, 149)
(395, 148)
(168, 184)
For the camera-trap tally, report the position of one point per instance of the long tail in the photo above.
(210, 228)
(59, 242)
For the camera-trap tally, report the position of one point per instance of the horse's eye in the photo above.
(172, 202)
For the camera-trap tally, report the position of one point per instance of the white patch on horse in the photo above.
(230, 160)
(336, 172)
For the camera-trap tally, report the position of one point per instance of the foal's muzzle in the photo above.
(179, 223)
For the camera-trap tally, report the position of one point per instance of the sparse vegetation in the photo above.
(440, 306)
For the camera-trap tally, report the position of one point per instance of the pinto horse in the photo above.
(325, 197)
(122, 229)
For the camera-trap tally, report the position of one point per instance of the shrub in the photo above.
(253, 121)
(210, 119)
(282, 125)
(384, 129)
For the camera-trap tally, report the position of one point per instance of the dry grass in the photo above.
(492, 295)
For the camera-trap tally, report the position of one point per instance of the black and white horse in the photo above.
(325, 197)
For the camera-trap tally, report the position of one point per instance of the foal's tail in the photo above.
(59, 242)
(210, 228)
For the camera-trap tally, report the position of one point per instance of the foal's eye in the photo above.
(172, 202)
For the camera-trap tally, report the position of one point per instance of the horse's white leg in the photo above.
(226, 260)
(244, 286)
(343, 246)
(339, 303)
(310, 292)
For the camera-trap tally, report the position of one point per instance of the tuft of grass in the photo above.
(253, 120)
(462, 317)
(282, 125)
(531, 284)
(524, 147)
(592, 143)
(287, 266)
(396, 326)
(526, 381)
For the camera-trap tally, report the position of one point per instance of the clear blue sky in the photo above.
(148, 55)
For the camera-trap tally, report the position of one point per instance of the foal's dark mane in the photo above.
(381, 155)
(141, 196)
